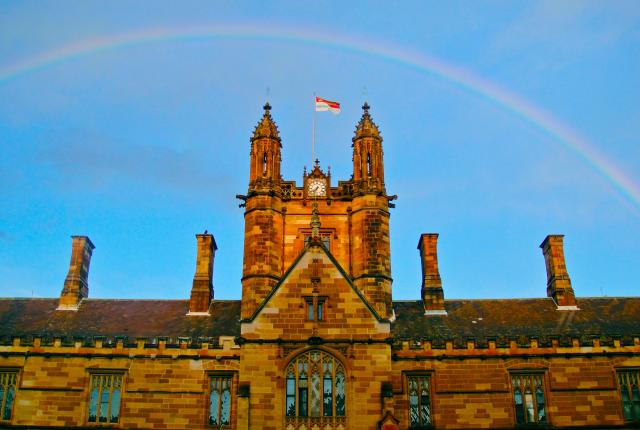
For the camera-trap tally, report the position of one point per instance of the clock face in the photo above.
(316, 187)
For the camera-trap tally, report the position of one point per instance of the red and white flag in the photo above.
(327, 105)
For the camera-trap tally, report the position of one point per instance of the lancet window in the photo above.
(8, 383)
(315, 388)
(220, 401)
(104, 399)
(419, 400)
(629, 382)
(528, 398)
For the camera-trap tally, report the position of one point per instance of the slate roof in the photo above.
(606, 317)
(501, 319)
(111, 318)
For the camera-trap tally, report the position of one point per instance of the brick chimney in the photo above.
(432, 292)
(76, 284)
(202, 290)
(558, 282)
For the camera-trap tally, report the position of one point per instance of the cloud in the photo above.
(5, 236)
(564, 30)
(80, 160)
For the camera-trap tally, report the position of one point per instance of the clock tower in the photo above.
(353, 216)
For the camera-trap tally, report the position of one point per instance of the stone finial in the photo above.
(315, 222)
(366, 127)
(266, 126)
(202, 289)
(76, 284)
(558, 283)
(432, 292)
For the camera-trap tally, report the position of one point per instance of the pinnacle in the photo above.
(366, 126)
(315, 222)
(267, 126)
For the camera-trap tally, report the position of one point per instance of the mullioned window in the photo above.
(528, 398)
(628, 382)
(105, 395)
(315, 389)
(8, 385)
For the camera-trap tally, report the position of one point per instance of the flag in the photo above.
(324, 105)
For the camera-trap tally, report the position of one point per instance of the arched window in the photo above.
(528, 398)
(368, 164)
(315, 388)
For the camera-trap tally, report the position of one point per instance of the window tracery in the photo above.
(629, 382)
(528, 398)
(419, 400)
(104, 398)
(8, 384)
(315, 391)
(220, 401)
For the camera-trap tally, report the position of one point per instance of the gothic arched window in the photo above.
(315, 386)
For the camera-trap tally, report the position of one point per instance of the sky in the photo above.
(129, 122)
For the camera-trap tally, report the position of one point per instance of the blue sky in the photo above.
(141, 145)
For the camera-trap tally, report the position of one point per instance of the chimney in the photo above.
(202, 290)
(558, 282)
(76, 284)
(432, 292)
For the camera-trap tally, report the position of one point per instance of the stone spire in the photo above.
(371, 254)
(366, 127)
(262, 264)
(368, 163)
(265, 155)
(266, 127)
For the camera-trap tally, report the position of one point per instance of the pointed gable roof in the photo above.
(315, 243)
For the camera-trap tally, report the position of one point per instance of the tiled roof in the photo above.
(110, 318)
(605, 318)
(515, 318)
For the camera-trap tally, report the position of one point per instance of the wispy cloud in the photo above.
(565, 30)
(5, 237)
(81, 160)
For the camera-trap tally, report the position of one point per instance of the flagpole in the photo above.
(313, 131)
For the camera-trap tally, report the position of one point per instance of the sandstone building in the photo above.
(316, 342)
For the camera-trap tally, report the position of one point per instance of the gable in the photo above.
(315, 276)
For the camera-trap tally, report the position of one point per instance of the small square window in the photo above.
(8, 386)
(528, 398)
(628, 382)
(220, 401)
(104, 398)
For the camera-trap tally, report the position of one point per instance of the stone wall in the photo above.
(162, 387)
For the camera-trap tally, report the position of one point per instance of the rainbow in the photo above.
(509, 101)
